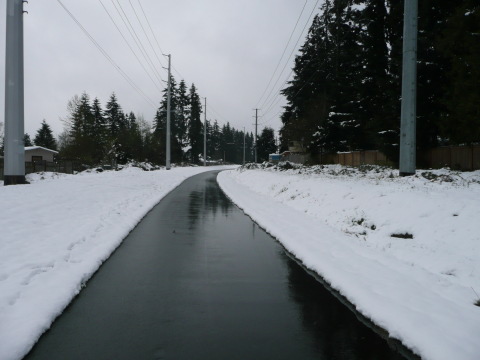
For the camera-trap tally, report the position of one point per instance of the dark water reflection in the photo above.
(207, 202)
(337, 332)
(197, 279)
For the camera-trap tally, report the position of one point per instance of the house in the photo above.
(296, 153)
(296, 147)
(39, 154)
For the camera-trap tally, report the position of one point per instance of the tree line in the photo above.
(44, 137)
(346, 90)
(94, 134)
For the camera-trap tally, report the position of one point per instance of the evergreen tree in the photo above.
(181, 119)
(323, 109)
(100, 132)
(214, 141)
(82, 132)
(195, 129)
(343, 128)
(307, 93)
(114, 116)
(177, 123)
(157, 145)
(432, 67)
(266, 144)
(117, 125)
(373, 97)
(459, 43)
(44, 137)
(249, 148)
(26, 140)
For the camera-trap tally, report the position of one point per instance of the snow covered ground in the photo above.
(419, 284)
(56, 232)
(404, 250)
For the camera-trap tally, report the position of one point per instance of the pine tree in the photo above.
(116, 122)
(432, 66)
(307, 93)
(177, 124)
(195, 125)
(26, 140)
(181, 119)
(343, 128)
(100, 132)
(266, 144)
(214, 141)
(114, 116)
(459, 42)
(323, 110)
(45, 138)
(130, 140)
(373, 99)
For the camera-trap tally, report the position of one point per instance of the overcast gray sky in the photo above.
(229, 49)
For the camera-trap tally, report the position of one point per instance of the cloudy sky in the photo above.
(229, 49)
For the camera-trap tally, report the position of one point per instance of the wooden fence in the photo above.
(66, 167)
(465, 158)
(355, 158)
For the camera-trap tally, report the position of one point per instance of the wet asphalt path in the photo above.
(197, 279)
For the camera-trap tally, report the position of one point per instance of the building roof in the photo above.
(27, 148)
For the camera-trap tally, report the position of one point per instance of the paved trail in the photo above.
(197, 279)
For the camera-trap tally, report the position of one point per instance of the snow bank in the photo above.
(405, 251)
(56, 233)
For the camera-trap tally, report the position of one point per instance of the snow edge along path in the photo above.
(57, 232)
(415, 313)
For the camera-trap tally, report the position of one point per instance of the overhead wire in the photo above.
(148, 38)
(130, 47)
(136, 38)
(107, 56)
(155, 37)
(210, 107)
(283, 53)
(216, 112)
(268, 98)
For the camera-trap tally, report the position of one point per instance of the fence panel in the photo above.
(476, 158)
(66, 167)
(465, 158)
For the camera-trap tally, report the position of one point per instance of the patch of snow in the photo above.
(57, 231)
(339, 222)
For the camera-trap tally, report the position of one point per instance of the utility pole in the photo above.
(169, 94)
(205, 136)
(409, 90)
(256, 127)
(244, 145)
(14, 167)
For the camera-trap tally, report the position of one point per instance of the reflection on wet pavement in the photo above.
(197, 279)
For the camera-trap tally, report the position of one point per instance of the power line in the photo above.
(277, 97)
(284, 50)
(267, 100)
(105, 54)
(155, 37)
(216, 112)
(136, 38)
(143, 29)
(130, 47)
(314, 75)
